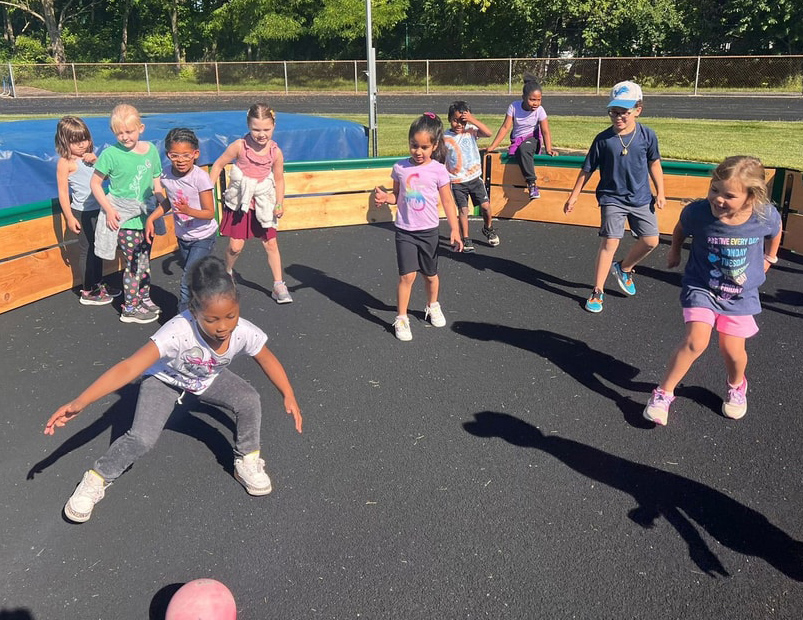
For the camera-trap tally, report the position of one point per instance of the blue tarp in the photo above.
(28, 157)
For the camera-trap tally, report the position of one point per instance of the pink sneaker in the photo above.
(735, 405)
(657, 409)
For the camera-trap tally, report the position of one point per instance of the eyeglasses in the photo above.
(180, 156)
(615, 113)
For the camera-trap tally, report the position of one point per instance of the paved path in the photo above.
(726, 107)
(496, 468)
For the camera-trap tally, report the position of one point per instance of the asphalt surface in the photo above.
(755, 107)
(495, 468)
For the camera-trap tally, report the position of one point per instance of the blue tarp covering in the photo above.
(28, 157)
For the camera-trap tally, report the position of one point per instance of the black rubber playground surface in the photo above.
(495, 468)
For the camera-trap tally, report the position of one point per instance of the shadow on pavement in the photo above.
(681, 501)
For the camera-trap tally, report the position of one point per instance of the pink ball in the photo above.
(202, 599)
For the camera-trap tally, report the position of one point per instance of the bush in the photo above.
(30, 50)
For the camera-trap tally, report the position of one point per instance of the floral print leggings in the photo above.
(137, 270)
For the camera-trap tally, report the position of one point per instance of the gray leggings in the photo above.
(157, 401)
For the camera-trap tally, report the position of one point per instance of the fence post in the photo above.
(147, 78)
(11, 79)
(217, 79)
(285, 77)
(356, 87)
(599, 72)
(427, 76)
(509, 76)
(74, 79)
(697, 76)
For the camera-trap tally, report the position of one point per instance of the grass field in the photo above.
(777, 144)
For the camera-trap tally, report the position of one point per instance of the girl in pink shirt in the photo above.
(418, 183)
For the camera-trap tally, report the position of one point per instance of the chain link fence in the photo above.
(682, 75)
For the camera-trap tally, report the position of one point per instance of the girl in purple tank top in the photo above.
(253, 202)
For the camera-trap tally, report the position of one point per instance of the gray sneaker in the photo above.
(250, 472)
(89, 492)
(137, 314)
(281, 294)
(147, 303)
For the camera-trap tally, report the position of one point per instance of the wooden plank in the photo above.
(330, 181)
(793, 235)
(514, 203)
(33, 235)
(38, 275)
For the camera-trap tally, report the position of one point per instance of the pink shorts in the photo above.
(742, 326)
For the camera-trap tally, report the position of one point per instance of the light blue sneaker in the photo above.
(623, 278)
(594, 303)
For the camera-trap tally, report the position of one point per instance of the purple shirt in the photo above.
(189, 187)
(726, 263)
(524, 121)
(419, 193)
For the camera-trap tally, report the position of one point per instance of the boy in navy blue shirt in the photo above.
(627, 156)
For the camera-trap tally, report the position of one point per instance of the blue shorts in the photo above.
(642, 221)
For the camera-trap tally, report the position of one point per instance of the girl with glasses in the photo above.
(189, 191)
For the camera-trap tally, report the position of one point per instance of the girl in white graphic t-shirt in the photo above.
(187, 358)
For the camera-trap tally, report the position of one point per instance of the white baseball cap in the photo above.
(625, 95)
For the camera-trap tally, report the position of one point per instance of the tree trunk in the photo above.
(54, 33)
(174, 32)
(8, 27)
(124, 37)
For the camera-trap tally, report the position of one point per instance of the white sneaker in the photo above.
(89, 492)
(281, 294)
(250, 472)
(402, 327)
(434, 313)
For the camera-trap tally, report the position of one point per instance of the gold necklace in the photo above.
(624, 146)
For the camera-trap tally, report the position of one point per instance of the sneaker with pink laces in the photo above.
(735, 405)
(657, 409)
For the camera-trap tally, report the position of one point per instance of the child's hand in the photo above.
(292, 408)
(73, 224)
(64, 414)
(278, 211)
(569, 206)
(112, 219)
(380, 196)
(149, 231)
(673, 258)
(660, 201)
(89, 158)
(457, 242)
(552, 152)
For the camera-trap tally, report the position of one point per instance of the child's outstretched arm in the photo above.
(274, 371)
(507, 125)
(678, 236)
(62, 181)
(579, 184)
(228, 156)
(544, 124)
(278, 179)
(657, 176)
(449, 207)
(96, 185)
(113, 379)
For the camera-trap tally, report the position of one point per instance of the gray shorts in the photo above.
(474, 188)
(417, 250)
(642, 221)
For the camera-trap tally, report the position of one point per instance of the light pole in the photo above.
(371, 73)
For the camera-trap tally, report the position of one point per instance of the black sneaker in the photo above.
(490, 233)
(468, 245)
